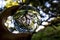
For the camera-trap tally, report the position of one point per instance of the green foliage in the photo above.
(19, 13)
(49, 33)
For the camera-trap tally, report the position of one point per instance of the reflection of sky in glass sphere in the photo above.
(2, 4)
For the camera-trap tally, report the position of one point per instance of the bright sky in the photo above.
(2, 4)
(47, 4)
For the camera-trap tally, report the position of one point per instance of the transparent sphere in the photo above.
(23, 21)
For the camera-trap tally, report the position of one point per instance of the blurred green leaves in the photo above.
(49, 33)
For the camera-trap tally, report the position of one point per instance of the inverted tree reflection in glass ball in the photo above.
(23, 21)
